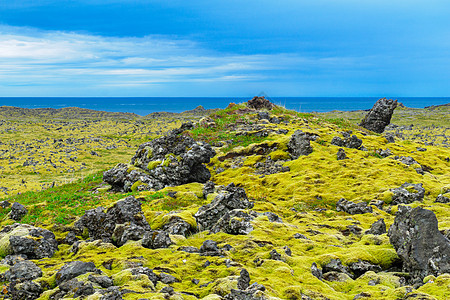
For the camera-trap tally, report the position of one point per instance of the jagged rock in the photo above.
(23, 271)
(18, 211)
(423, 249)
(78, 288)
(228, 199)
(272, 217)
(275, 255)
(177, 225)
(407, 193)
(253, 292)
(300, 236)
(377, 228)
(315, 271)
(380, 115)
(348, 141)
(124, 232)
(74, 269)
(260, 103)
(243, 280)
(145, 271)
(263, 115)
(362, 295)
(341, 154)
(208, 188)
(101, 225)
(170, 160)
(13, 259)
(70, 238)
(103, 281)
(33, 242)
(352, 207)
(360, 267)
(442, 199)
(300, 144)
(111, 293)
(384, 153)
(189, 249)
(407, 160)
(5, 204)
(287, 250)
(209, 248)
(167, 278)
(335, 265)
(235, 222)
(28, 290)
(156, 239)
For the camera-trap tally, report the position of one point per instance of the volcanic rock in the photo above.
(423, 249)
(380, 115)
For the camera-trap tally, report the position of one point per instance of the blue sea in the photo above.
(146, 105)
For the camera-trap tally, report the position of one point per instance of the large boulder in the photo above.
(408, 193)
(423, 249)
(23, 271)
(228, 199)
(300, 144)
(33, 242)
(380, 115)
(170, 160)
(124, 220)
(259, 103)
(74, 269)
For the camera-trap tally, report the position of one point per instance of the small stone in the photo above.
(316, 271)
(18, 211)
(341, 154)
(377, 228)
(167, 278)
(275, 255)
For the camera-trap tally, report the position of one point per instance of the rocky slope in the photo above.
(286, 206)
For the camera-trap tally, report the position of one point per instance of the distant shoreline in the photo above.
(143, 106)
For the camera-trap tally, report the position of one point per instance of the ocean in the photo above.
(146, 105)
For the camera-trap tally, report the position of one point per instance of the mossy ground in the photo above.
(305, 198)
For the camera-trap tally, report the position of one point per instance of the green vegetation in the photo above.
(304, 197)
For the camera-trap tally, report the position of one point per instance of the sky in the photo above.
(172, 48)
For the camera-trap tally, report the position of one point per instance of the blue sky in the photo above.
(224, 48)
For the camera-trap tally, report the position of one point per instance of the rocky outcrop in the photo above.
(352, 207)
(125, 219)
(170, 160)
(407, 193)
(259, 103)
(380, 115)
(32, 242)
(423, 249)
(300, 144)
(213, 215)
(349, 141)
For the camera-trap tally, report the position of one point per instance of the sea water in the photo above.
(146, 105)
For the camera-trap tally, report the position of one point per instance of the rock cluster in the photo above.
(407, 193)
(349, 141)
(259, 103)
(352, 207)
(225, 212)
(300, 144)
(380, 115)
(171, 160)
(423, 249)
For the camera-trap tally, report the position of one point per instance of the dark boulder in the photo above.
(210, 248)
(360, 267)
(33, 242)
(234, 222)
(243, 280)
(335, 265)
(442, 199)
(103, 281)
(103, 225)
(259, 103)
(167, 278)
(77, 288)
(263, 115)
(74, 269)
(341, 154)
(156, 239)
(18, 211)
(423, 249)
(300, 144)
(380, 115)
(28, 290)
(145, 271)
(377, 228)
(177, 225)
(352, 207)
(316, 271)
(111, 293)
(348, 141)
(228, 199)
(170, 160)
(408, 193)
(23, 271)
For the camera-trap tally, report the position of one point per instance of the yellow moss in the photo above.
(135, 185)
(153, 164)
(279, 154)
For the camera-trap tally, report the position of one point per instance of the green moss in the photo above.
(279, 154)
(135, 185)
(153, 164)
